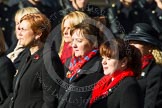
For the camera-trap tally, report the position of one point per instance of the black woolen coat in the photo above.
(124, 95)
(77, 93)
(7, 71)
(151, 85)
(35, 84)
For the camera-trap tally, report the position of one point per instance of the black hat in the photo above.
(144, 33)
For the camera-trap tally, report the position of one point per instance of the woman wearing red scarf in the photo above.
(84, 68)
(68, 22)
(145, 38)
(119, 87)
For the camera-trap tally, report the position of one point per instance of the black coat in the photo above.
(6, 22)
(77, 93)
(57, 16)
(121, 19)
(7, 71)
(151, 85)
(34, 86)
(124, 95)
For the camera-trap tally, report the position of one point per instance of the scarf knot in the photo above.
(77, 63)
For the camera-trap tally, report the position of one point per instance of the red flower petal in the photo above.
(36, 56)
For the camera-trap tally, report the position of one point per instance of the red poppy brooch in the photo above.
(36, 56)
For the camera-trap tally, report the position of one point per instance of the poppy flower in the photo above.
(36, 56)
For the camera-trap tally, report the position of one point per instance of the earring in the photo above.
(150, 50)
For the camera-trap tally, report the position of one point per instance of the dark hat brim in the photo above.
(144, 38)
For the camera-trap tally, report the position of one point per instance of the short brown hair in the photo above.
(117, 48)
(39, 23)
(89, 31)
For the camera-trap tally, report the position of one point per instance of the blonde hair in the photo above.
(23, 11)
(74, 18)
(2, 43)
(157, 55)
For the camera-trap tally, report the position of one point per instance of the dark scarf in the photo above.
(105, 83)
(77, 63)
(146, 59)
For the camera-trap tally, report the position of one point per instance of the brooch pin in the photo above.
(68, 74)
(36, 56)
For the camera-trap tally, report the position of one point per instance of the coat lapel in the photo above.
(146, 70)
(89, 68)
(20, 74)
(27, 62)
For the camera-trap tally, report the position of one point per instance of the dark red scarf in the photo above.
(77, 63)
(105, 83)
(146, 59)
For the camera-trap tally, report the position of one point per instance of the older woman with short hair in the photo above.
(15, 53)
(83, 69)
(33, 85)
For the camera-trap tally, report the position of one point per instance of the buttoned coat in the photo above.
(35, 84)
(151, 85)
(76, 94)
(124, 95)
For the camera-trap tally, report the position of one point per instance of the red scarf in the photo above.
(146, 60)
(105, 83)
(77, 63)
(66, 52)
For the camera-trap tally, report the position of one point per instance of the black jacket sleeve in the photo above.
(7, 71)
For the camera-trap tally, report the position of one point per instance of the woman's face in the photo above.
(110, 65)
(159, 3)
(17, 27)
(66, 31)
(127, 2)
(144, 49)
(26, 34)
(81, 46)
(79, 4)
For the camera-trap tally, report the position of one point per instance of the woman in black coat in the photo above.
(83, 70)
(35, 83)
(119, 87)
(7, 71)
(145, 38)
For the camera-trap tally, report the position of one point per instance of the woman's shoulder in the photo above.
(155, 72)
(94, 63)
(95, 59)
(4, 59)
(129, 81)
(157, 67)
(6, 64)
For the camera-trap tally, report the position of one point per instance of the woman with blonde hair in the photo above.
(16, 50)
(7, 71)
(83, 69)
(68, 22)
